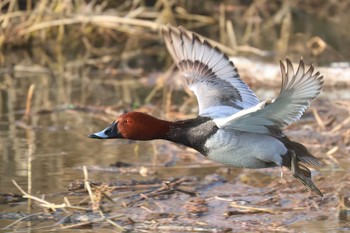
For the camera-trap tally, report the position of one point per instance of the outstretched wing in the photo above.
(208, 73)
(269, 117)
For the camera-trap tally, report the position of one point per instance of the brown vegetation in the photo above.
(129, 28)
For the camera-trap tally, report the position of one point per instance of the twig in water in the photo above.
(340, 125)
(318, 119)
(166, 189)
(29, 101)
(88, 188)
(19, 220)
(330, 154)
(89, 222)
(119, 228)
(44, 203)
(253, 209)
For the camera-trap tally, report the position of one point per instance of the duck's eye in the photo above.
(128, 121)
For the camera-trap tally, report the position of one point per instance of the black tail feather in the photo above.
(301, 152)
(297, 155)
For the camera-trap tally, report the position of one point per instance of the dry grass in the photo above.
(97, 27)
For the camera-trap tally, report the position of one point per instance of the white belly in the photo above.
(245, 149)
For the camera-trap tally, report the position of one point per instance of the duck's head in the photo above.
(135, 126)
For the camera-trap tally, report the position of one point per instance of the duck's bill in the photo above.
(108, 133)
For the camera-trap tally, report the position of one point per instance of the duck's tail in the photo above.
(297, 156)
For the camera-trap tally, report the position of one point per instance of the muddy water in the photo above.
(47, 149)
(55, 135)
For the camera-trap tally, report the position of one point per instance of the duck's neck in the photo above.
(192, 133)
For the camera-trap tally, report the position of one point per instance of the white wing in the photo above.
(208, 73)
(269, 117)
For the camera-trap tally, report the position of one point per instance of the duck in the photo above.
(233, 126)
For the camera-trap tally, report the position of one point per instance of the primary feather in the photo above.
(208, 73)
(270, 117)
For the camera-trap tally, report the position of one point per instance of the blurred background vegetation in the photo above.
(109, 34)
(74, 42)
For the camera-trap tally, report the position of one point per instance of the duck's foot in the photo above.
(299, 171)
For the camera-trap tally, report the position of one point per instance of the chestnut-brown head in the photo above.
(135, 126)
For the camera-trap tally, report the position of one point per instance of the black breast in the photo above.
(193, 133)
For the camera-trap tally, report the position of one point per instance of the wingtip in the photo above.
(301, 63)
(283, 72)
(168, 29)
(165, 31)
(283, 68)
(290, 68)
(181, 28)
(321, 79)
